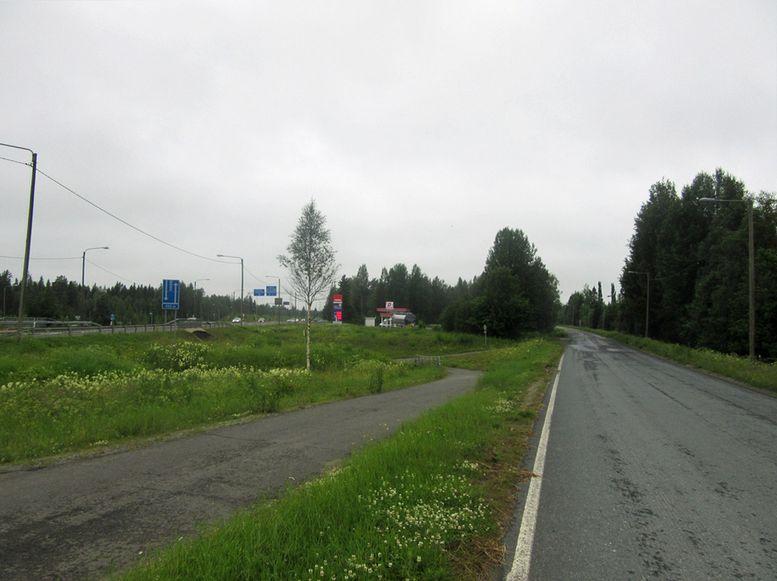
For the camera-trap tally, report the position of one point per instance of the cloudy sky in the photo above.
(420, 128)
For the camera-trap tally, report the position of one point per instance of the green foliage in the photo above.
(696, 254)
(410, 507)
(66, 300)
(66, 393)
(515, 294)
(176, 356)
(425, 297)
(755, 373)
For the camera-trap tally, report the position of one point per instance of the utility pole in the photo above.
(196, 310)
(242, 298)
(26, 267)
(751, 276)
(280, 298)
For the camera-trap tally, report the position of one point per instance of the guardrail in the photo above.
(428, 360)
(112, 329)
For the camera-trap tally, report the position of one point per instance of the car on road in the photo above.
(236, 320)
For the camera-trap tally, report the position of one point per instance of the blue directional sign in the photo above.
(171, 294)
(258, 292)
(272, 291)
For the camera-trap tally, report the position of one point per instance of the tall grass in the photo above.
(334, 347)
(71, 412)
(755, 373)
(423, 504)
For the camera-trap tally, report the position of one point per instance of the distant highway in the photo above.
(653, 470)
(119, 329)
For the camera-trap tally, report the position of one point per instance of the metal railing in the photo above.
(435, 360)
(113, 329)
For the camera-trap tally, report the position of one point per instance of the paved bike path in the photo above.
(87, 517)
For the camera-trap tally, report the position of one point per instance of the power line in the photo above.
(43, 258)
(109, 272)
(126, 223)
(253, 275)
(15, 161)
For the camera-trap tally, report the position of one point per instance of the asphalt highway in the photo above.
(655, 471)
(86, 518)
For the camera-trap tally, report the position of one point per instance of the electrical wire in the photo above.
(109, 272)
(27, 163)
(126, 223)
(253, 275)
(43, 258)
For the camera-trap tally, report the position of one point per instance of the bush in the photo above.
(176, 356)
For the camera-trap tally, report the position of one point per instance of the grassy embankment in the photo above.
(427, 503)
(755, 373)
(62, 394)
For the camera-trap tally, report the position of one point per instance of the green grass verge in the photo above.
(334, 346)
(755, 373)
(62, 394)
(427, 503)
(72, 412)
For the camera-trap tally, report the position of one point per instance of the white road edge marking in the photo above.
(522, 559)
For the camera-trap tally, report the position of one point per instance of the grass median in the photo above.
(427, 503)
(64, 394)
(755, 373)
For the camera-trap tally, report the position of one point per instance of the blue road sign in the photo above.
(272, 291)
(171, 294)
(258, 292)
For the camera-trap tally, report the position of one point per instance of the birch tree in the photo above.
(310, 261)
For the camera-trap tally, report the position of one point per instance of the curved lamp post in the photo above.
(83, 260)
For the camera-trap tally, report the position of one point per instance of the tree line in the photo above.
(67, 300)
(514, 294)
(695, 254)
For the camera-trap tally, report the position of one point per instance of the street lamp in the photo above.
(647, 303)
(279, 294)
(83, 260)
(751, 265)
(241, 281)
(26, 266)
(195, 293)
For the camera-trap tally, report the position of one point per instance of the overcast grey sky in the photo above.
(420, 128)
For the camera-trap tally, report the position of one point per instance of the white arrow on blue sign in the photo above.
(171, 294)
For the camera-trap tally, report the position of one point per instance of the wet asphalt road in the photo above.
(655, 471)
(85, 518)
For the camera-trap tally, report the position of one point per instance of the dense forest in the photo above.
(695, 253)
(515, 293)
(62, 299)
(411, 288)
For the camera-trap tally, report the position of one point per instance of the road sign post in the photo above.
(171, 296)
